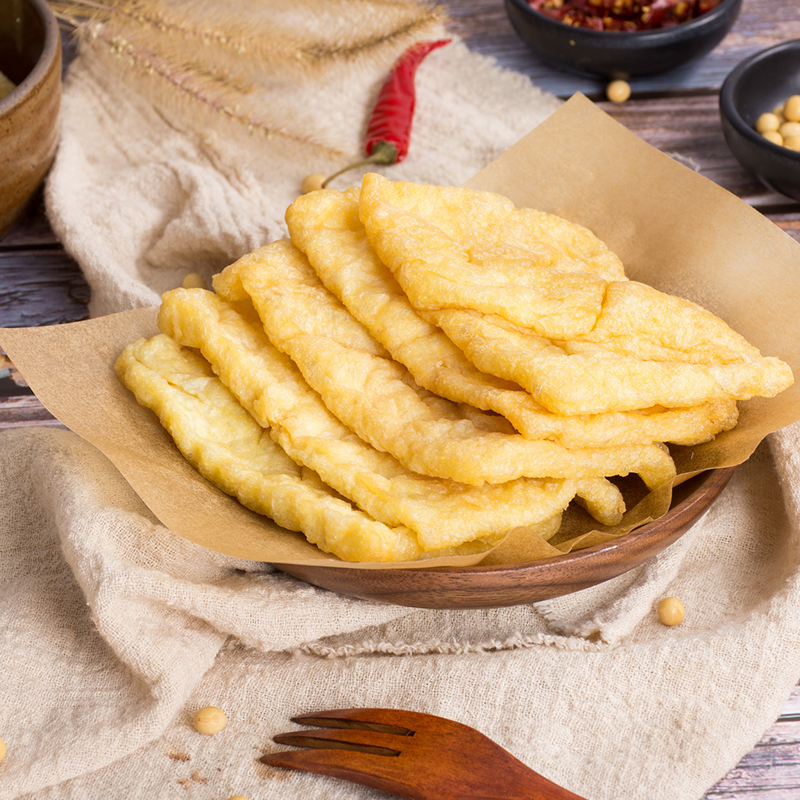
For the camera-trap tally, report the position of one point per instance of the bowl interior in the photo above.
(22, 38)
(766, 81)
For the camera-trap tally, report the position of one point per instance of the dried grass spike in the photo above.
(303, 34)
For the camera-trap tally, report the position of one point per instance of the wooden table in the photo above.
(677, 112)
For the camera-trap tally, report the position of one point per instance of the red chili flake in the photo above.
(389, 129)
(623, 15)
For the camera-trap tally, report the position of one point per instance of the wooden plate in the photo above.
(514, 584)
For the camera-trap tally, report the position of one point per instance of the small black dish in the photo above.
(611, 54)
(761, 82)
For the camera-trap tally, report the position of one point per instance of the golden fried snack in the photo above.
(370, 395)
(488, 225)
(581, 377)
(441, 513)
(377, 398)
(638, 320)
(325, 225)
(232, 451)
(602, 499)
(622, 346)
(444, 255)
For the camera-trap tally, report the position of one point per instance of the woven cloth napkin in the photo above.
(113, 630)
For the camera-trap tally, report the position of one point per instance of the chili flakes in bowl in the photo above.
(623, 15)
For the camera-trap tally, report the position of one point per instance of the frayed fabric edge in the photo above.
(454, 647)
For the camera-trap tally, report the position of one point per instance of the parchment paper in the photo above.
(673, 229)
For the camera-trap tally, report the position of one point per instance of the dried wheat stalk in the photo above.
(216, 56)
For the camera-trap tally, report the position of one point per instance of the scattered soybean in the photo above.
(670, 611)
(209, 720)
(618, 91)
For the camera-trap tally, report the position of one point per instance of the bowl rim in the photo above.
(50, 51)
(731, 113)
(654, 35)
(501, 585)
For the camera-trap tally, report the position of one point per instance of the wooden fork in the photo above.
(413, 755)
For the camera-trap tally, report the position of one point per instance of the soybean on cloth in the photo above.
(114, 631)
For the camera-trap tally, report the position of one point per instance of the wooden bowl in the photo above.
(515, 584)
(30, 56)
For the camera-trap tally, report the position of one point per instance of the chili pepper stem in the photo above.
(382, 153)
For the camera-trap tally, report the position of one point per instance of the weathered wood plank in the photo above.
(16, 412)
(32, 231)
(40, 287)
(770, 770)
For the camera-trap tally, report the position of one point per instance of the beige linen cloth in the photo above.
(113, 630)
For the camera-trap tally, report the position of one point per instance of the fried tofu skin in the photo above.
(581, 377)
(441, 513)
(580, 343)
(422, 370)
(376, 397)
(442, 263)
(326, 226)
(232, 451)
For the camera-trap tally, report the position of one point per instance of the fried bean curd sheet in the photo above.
(580, 377)
(489, 224)
(638, 320)
(377, 398)
(460, 248)
(441, 513)
(326, 226)
(232, 451)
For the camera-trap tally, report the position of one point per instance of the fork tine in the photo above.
(379, 744)
(378, 772)
(388, 720)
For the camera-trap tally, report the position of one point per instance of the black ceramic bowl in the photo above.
(611, 54)
(758, 84)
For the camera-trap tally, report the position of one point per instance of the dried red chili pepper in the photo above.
(389, 129)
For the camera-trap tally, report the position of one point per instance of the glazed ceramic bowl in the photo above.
(758, 84)
(30, 57)
(610, 54)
